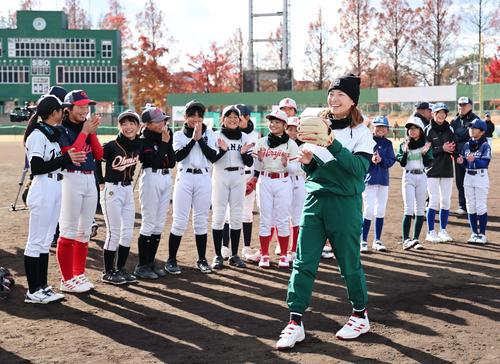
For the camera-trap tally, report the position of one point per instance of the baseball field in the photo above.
(439, 305)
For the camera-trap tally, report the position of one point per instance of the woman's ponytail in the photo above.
(31, 126)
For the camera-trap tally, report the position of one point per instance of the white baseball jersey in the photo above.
(232, 157)
(195, 158)
(271, 161)
(44, 196)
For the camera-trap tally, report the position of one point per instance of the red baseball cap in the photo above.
(78, 98)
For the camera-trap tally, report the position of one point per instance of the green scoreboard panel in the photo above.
(42, 52)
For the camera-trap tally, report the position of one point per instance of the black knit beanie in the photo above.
(348, 84)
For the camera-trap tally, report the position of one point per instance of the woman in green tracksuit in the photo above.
(333, 210)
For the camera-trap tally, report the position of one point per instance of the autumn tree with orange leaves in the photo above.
(213, 71)
(115, 19)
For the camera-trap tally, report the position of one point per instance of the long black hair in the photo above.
(44, 114)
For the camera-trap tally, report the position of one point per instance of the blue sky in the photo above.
(196, 23)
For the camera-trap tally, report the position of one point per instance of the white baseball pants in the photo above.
(228, 187)
(414, 193)
(298, 197)
(44, 202)
(273, 196)
(439, 190)
(78, 205)
(476, 192)
(154, 194)
(375, 201)
(117, 203)
(191, 191)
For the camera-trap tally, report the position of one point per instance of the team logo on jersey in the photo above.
(121, 163)
(274, 154)
(111, 193)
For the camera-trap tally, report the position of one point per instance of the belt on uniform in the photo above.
(56, 176)
(473, 172)
(79, 171)
(274, 175)
(196, 170)
(416, 171)
(248, 172)
(122, 183)
(232, 169)
(160, 170)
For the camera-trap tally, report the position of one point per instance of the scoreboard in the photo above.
(42, 52)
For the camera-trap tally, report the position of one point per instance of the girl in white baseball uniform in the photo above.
(376, 190)
(155, 186)
(414, 155)
(440, 174)
(276, 156)
(79, 192)
(44, 196)
(195, 148)
(476, 157)
(298, 189)
(117, 197)
(229, 183)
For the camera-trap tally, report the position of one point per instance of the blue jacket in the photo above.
(481, 151)
(378, 174)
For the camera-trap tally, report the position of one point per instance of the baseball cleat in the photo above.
(252, 257)
(53, 294)
(145, 272)
(160, 272)
(226, 253)
(291, 335)
(379, 246)
(409, 243)
(264, 262)
(355, 327)
(433, 237)
(82, 278)
(418, 245)
(444, 236)
(74, 286)
(39, 296)
(283, 262)
(473, 238)
(130, 278)
(113, 277)
(203, 266)
(171, 267)
(363, 247)
(327, 252)
(236, 261)
(218, 262)
(481, 239)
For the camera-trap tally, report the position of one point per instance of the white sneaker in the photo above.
(473, 238)
(226, 253)
(291, 256)
(83, 278)
(363, 247)
(291, 335)
(327, 254)
(444, 236)
(379, 246)
(481, 239)
(284, 262)
(432, 236)
(264, 262)
(37, 297)
(460, 211)
(74, 286)
(53, 294)
(277, 250)
(355, 327)
(251, 256)
(409, 243)
(418, 245)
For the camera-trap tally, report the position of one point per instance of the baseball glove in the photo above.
(6, 282)
(251, 184)
(314, 130)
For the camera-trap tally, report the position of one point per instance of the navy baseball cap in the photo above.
(422, 105)
(487, 113)
(380, 121)
(153, 114)
(58, 92)
(195, 104)
(478, 124)
(244, 109)
(78, 98)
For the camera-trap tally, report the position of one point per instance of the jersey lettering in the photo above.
(120, 163)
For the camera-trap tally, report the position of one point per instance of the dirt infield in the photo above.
(441, 305)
